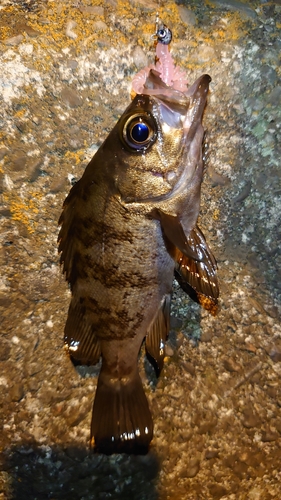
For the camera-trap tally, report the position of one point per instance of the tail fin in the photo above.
(121, 421)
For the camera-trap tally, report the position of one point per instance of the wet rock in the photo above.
(69, 29)
(269, 73)
(58, 185)
(272, 390)
(77, 415)
(33, 384)
(18, 161)
(33, 368)
(250, 347)
(29, 30)
(187, 15)
(22, 126)
(231, 460)
(17, 392)
(3, 152)
(272, 311)
(217, 491)
(75, 142)
(239, 468)
(275, 96)
(169, 350)
(99, 26)
(192, 468)
(207, 427)
(207, 336)
(216, 178)
(71, 98)
(235, 5)
(275, 353)
(139, 57)
(175, 323)
(180, 340)
(5, 350)
(148, 465)
(14, 40)
(278, 425)
(252, 458)
(189, 368)
(231, 365)
(257, 305)
(34, 169)
(244, 193)
(92, 10)
(146, 4)
(250, 419)
(72, 63)
(210, 454)
(269, 436)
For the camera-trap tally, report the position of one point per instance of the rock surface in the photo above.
(65, 73)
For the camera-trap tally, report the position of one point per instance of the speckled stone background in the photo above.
(65, 73)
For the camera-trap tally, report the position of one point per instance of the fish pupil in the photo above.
(140, 132)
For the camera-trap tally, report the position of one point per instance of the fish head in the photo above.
(161, 137)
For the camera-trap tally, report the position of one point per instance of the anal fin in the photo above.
(158, 333)
(121, 420)
(79, 335)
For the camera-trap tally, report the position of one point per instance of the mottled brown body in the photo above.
(126, 226)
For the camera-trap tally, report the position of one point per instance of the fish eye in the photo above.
(139, 131)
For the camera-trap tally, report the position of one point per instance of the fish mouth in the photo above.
(193, 102)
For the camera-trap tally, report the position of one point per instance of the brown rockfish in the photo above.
(127, 226)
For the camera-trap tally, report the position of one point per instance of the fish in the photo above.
(128, 227)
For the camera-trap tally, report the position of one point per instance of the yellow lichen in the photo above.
(216, 214)
(24, 209)
(122, 10)
(76, 156)
(20, 113)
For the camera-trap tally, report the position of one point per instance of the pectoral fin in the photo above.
(200, 275)
(173, 233)
(158, 333)
(79, 336)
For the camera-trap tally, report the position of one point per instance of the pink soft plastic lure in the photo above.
(169, 73)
